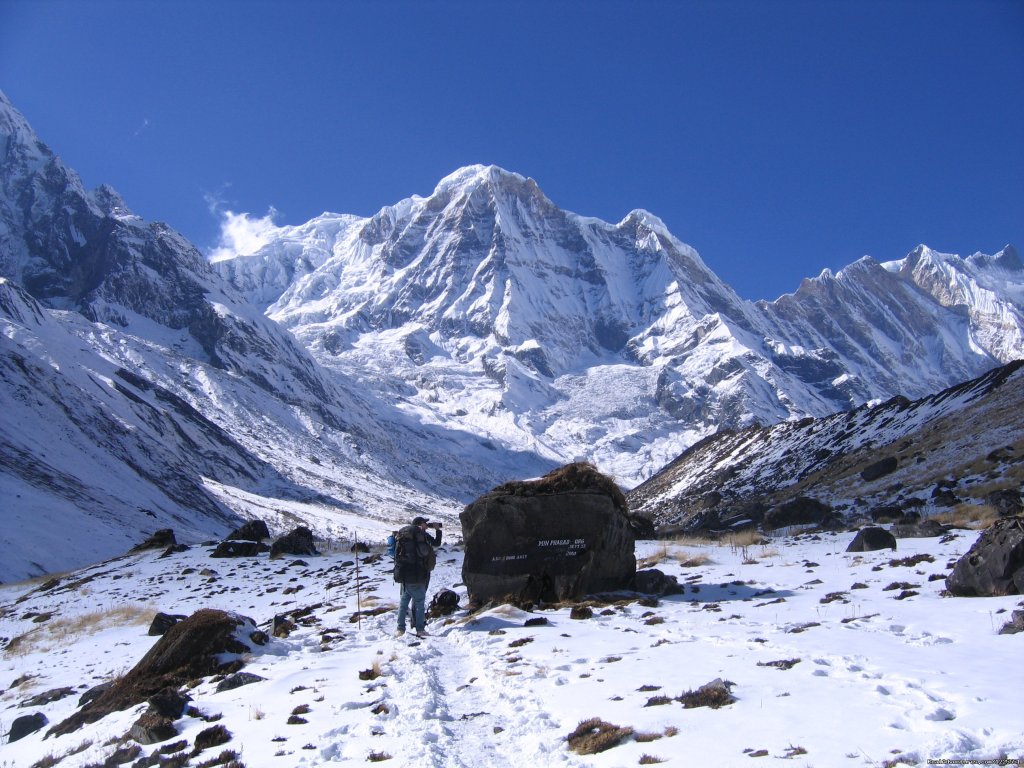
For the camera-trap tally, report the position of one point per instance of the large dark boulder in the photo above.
(802, 510)
(1007, 503)
(242, 548)
(207, 642)
(655, 582)
(298, 542)
(158, 540)
(557, 538)
(254, 530)
(162, 622)
(643, 528)
(872, 538)
(994, 565)
(24, 725)
(879, 468)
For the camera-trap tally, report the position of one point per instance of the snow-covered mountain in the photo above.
(354, 368)
(141, 391)
(487, 306)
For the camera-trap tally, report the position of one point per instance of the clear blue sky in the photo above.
(778, 138)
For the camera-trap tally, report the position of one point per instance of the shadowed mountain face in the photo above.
(902, 457)
(357, 368)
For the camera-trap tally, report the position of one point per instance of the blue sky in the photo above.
(778, 138)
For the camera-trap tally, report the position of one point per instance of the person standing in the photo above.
(414, 560)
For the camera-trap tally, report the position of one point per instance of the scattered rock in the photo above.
(47, 697)
(94, 693)
(25, 725)
(159, 540)
(162, 622)
(872, 538)
(994, 565)
(151, 728)
(879, 469)
(237, 680)
(231, 548)
(298, 542)
(1014, 625)
(652, 581)
(207, 642)
(253, 530)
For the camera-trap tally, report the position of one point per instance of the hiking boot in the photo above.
(399, 633)
(422, 633)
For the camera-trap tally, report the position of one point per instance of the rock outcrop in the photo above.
(207, 642)
(557, 538)
(994, 565)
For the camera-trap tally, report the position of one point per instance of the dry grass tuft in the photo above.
(59, 632)
(973, 516)
(595, 735)
(651, 760)
(653, 559)
(692, 559)
(378, 757)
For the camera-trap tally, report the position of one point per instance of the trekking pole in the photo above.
(359, 592)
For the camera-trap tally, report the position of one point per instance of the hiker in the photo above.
(414, 560)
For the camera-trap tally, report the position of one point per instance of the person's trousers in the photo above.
(417, 595)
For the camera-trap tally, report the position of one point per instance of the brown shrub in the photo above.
(714, 694)
(595, 735)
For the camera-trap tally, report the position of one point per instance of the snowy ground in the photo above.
(829, 666)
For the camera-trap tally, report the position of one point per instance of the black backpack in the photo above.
(414, 556)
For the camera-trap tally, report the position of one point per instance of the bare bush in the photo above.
(595, 735)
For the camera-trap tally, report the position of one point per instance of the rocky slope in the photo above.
(960, 445)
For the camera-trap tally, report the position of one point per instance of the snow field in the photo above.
(828, 667)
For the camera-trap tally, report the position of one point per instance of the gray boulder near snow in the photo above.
(994, 565)
(299, 541)
(871, 538)
(557, 538)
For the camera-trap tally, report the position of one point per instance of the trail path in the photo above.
(444, 696)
